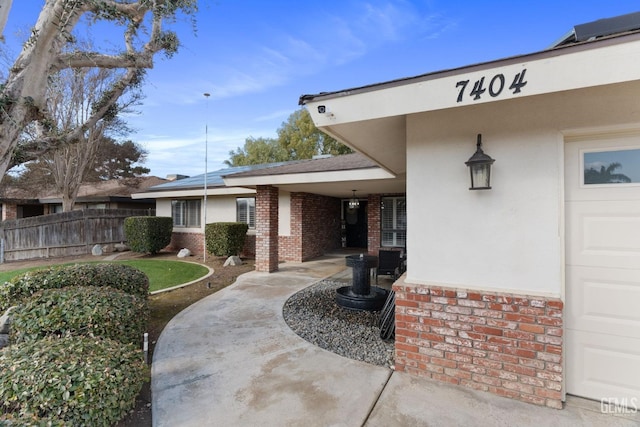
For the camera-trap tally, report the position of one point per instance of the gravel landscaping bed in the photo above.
(314, 315)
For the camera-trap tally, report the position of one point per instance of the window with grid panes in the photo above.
(246, 211)
(186, 213)
(394, 222)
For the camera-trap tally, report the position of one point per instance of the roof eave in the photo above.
(193, 193)
(554, 51)
(311, 177)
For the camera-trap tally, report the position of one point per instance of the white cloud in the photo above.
(285, 52)
(280, 114)
(170, 155)
(386, 22)
(335, 36)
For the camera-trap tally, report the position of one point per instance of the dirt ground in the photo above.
(164, 307)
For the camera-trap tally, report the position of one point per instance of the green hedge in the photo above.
(118, 276)
(80, 310)
(72, 380)
(225, 238)
(148, 234)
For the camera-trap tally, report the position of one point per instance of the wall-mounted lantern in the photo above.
(480, 168)
(354, 203)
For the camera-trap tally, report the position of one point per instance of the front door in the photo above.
(602, 203)
(355, 221)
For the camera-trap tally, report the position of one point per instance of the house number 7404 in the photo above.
(495, 86)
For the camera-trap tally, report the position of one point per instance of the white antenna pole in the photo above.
(206, 156)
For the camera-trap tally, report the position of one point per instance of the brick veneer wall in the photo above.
(321, 227)
(290, 247)
(266, 228)
(315, 227)
(374, 223)
(192, 241)
(195, 241)
(249, 248)
(9, 211)
(509, 345)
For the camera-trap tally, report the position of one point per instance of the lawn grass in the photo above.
(162, 274)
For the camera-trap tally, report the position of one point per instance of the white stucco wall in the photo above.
(509, 237)
(505, 238)
(163, 207)
(220, 209)
(284, 213)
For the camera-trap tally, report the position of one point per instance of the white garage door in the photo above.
(602, 322)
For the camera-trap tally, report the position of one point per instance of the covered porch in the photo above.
(309, 208)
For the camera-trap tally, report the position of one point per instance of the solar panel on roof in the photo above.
(608, 26)
(214, 179)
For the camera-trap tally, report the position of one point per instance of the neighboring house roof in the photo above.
(115, 189)
(118, 187)
(17, 195)
(110, 190)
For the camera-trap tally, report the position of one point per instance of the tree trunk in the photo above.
(68, 202)
(5, 7)
(27, 82)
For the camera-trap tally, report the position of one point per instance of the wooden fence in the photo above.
(62, 234)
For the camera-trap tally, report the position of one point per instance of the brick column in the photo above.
(266, 228)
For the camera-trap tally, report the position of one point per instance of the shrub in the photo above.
(30, 420)
(148, 234)
(75, 380)
(225, 238)
(118, 276)
(76, 310)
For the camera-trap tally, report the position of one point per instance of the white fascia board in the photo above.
(311, 177)
(176, 194)
(605, 63)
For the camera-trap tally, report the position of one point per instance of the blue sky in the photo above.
(256, 58)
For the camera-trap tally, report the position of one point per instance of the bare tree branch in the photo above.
(98, 60)
(38, 147)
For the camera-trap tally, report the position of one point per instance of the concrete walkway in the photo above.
(231, 360)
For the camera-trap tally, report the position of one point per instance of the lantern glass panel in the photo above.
(480, 176)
